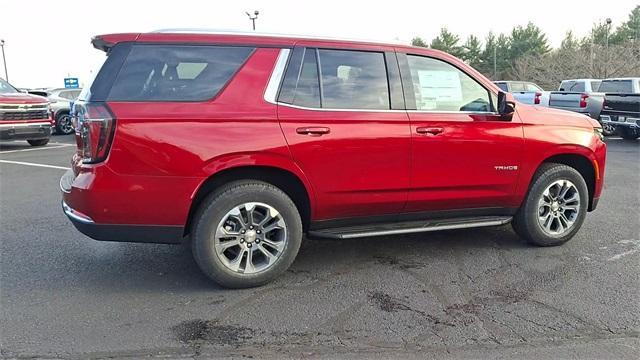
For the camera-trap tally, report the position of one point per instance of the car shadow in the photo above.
(152, 267)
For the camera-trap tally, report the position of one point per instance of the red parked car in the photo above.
(23, 116)
(242, 144)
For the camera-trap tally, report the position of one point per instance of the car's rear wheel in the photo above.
(40, 142)
(246, 234)
(629, 133)
(555, 206)
(64, 125)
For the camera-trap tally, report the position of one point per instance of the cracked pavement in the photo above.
(475, 293)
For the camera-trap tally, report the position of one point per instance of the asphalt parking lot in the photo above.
(458, 294)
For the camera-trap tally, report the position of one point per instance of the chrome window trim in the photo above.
(277, 74)
(390, 110)
(275, 81)
(330, 109)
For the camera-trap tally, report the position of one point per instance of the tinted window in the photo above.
(576, 86)
(440, 86)
(616, 86)
(503, 86)
(353, 80)
(176, 73)
(308, 87)
(595, 85)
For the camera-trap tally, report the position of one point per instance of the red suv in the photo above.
(242, 144)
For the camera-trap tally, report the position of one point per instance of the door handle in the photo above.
(430, 130)
(313, 131)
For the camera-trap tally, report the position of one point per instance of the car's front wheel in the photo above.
(555, 206)
(246, 234)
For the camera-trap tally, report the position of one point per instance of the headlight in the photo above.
(598, 132)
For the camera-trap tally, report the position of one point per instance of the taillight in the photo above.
(536, 99)
(583, 100)
(95, 126)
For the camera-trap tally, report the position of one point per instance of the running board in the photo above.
(409, 227)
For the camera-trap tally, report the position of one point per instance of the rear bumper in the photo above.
(25, 131)
(123, 233)
(114, 232)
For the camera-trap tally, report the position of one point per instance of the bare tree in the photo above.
(550, 69)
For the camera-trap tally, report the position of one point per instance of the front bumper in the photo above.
(626, 121)
(25, 131)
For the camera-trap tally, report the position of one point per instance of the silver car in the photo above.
(60, 101)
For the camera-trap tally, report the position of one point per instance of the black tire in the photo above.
(629, 134)
(211, 213)
(63, 124)
(40, 142)
(526, 223)
(608, 129)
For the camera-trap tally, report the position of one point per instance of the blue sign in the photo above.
(71, 83)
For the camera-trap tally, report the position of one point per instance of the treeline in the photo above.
(525, 53)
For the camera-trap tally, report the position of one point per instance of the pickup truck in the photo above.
(525, 92)
(23, 116)
(621, 107)
(578, 95)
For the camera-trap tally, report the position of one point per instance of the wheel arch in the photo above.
(584, 164)
(286, 179)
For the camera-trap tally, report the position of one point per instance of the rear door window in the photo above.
(176, 72)
(336, 79)
(353, 80)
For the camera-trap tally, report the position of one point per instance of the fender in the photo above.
(270, 159)
(530, 167)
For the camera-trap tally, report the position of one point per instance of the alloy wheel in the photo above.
(250, 238)
(558, 207)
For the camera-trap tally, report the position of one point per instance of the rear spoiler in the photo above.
(106, 42)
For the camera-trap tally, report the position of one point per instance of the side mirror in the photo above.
(506, 107)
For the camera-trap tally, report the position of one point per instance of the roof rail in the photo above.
(265, 34)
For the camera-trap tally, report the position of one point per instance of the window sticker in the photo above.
(439, 86)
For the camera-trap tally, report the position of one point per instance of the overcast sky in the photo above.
(46, 40)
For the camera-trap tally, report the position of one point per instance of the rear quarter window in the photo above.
(176, 72)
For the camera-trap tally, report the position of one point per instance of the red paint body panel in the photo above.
(455, 169)
(369, 163)
(361, 167)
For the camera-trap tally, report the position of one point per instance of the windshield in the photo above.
(5, 88)
(616, 86)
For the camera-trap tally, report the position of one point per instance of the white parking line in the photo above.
(61, 145)
(34, 164)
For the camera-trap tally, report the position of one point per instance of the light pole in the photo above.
(253, 18)
(4, 60)
(495, 62)
(608, 27)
